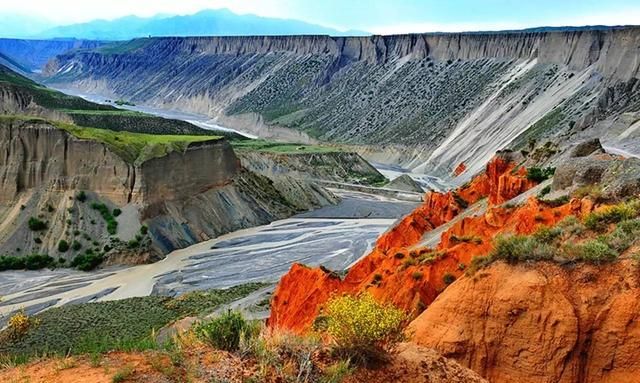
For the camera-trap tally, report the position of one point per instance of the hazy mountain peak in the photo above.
(207, 22)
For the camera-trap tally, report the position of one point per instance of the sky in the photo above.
(375, 16)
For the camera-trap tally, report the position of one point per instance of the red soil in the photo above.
(389, 274)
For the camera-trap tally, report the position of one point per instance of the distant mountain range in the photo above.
(219, 22)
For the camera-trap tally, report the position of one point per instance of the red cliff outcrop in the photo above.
(399, 270)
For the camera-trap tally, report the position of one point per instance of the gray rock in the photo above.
(586, 148)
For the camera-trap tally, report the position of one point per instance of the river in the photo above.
(334, 236)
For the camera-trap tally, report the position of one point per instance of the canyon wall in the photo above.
(442, 99)
(184, 197)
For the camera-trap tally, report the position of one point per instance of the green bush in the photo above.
(361, 327)
(223, 332)
(63, 246)
(540, 174)
(76, 245)
(112, 224)
(546, 190)
(518, 248)
(448, 278)
(36, 225)
(86, 262)
(594, 251)
(116, 212)
(612, 214)
(29, 262)
(81, 196)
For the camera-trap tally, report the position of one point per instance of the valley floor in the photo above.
(260, 254)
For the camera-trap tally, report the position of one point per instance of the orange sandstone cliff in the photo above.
(401, 271)
(540, 322)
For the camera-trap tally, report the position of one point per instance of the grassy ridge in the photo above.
(135, 147)
(280, 147)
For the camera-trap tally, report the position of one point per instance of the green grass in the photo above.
(124, 47)
(126, 324)
(135, 147)
(279, 147)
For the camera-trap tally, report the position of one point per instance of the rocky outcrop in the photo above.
(402, 271)
(583, 320)
(184, 196)
(405, 183)
(38, 155)
(443, 98)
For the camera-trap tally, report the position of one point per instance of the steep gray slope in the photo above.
(31, 55)
(428, 101)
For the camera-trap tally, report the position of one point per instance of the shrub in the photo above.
(112, 224)
(86, 262)
(547, 235)
(594, 251)
(81, 196)
(75, 245)
(37, 261)
(19, 324)
(417, 275)
(37, 240)
(448, 278)
(116, 212)
(540, 174)
(546, 190)
(598, 220)
(223, 332)
(517, 248)
(63, 246)
(593, 191)
(36, 225)
(556, 201)
(466, 239)
(144, 230)
(361, 327)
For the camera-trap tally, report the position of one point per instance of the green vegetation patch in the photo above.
(135, 147)
(29, 262)
(608, 232)
(280, 147)
(112, 325)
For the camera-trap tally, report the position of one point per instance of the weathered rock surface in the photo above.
(406, 183)
(540, 323)
(449, 98)
(184, 197)
(394, 272)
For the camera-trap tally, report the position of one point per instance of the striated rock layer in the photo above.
(400, 269)
(184, 196)
(428, 101)
(540, 323)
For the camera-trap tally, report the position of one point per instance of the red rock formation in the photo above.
(396, 271)
(540, 323)
(459, 169)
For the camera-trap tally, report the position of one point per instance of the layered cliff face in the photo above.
(184, 196)
(451, 98)
(402, 269)
(540, 323)
(32, 55)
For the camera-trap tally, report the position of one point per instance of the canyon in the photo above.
(427, 102)
(507, 235)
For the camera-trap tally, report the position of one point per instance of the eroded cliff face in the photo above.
(442, 98)
(404, 271)
(39, 155)
(183, 197)
(540, 323)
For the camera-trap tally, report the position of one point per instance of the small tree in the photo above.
(63, 246)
